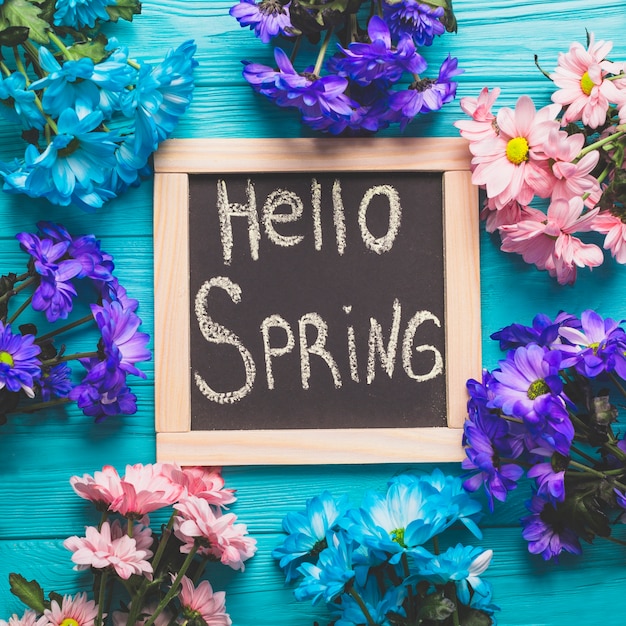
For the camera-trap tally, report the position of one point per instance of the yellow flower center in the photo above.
(5, 357)
(397, 535)
(69, 621)
(586, 84)
(517, 150)
(538, 388)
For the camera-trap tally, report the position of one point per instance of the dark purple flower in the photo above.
(426, 95)
(268, 18)
(488, 440)
(547, 530)
(120, 339)
(56, 382)
(379, 60)
(409, 18)
(99, 401)
(543, 331)
(591, 348)
(55, 291)
(19, 366)
(550, 481)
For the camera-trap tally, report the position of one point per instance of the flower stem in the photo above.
(58, 331)
(60, 45)
(599, 144)
(16, 290)
(594, 472)
(616, 381)
(171, 592)
(322, 53)
(101, 595)
(21, 309)
(70, 357)
(359, 601)
(163, 543)
(37, 406)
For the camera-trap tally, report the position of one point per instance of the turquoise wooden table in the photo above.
(495, 46)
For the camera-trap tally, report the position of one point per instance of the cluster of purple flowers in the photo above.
(31, 366)
(386, 561)
(545, 411)
(91, 117)
(373, 80)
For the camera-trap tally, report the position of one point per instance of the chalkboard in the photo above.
(315, 300)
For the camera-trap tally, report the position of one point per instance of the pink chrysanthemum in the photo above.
(28, 619)
(548, 241)
(202, 601)
(615, 231)
(483, 122)
(107, 548)
(511, 213)
(512, 165)
(584, 89)
(207, 483)
(73, 611)
(216, 532)
(102, 488)
(571, 177)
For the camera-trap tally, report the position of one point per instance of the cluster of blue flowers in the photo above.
(91, 116)
(384, 563)
(545, 411)
(376, 76)
(34, 372)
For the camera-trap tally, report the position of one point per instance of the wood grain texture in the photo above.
(495, 45)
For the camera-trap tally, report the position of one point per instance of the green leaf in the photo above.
(13, 36)
(124, 9)
(436, 607)
(29, 592)
(94, 49)
(24, 13)
(48, 7)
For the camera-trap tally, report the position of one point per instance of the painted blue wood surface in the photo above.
(495, 44)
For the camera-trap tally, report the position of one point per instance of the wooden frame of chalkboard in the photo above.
(176, 163)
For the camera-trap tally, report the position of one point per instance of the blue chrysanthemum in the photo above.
(462, 565)
(17, 104)
(268, 18)
(162, 94)
(19, 366)
(79, 13)
(411, 18)
(306, 531)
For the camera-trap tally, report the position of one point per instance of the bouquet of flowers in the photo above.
(546, 412)
(91, 116)
(569, 153)
(376, 75)
(384, 563)
(152, 578)
(35, 371)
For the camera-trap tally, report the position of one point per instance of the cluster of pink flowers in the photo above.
(575, 162)
(158, 573)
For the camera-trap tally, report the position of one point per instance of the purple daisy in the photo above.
(550, 480)
(543, 331)
(426, 95)
(547, 530)
(419, 21)
(487, 441)
(120, 339)
(100, 401)
(591, 348)
(268, 18)
(56, 383)
(19, 366)
(379, 61)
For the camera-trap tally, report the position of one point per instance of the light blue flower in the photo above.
(378, 604)
(461, 564)
(79, 13)
(396, 522)
(306, 531)
(75, 162)
(66, 86)
(162, 94)
(333, 571)
(17, 104)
